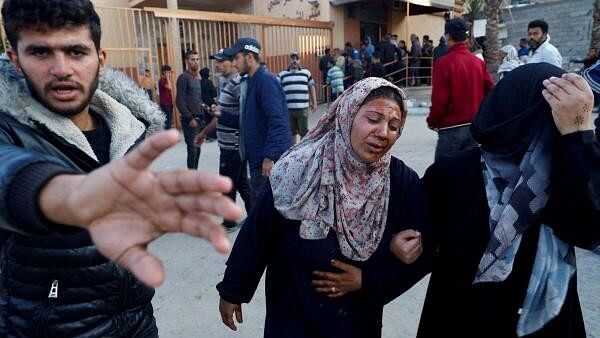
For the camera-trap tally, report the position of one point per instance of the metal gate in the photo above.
(139, 39)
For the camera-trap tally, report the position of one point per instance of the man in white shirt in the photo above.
(541, 48)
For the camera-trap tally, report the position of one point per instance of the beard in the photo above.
(533, 44)
(243, 70)
(39, 94)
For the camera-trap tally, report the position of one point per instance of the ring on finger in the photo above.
(333, 289)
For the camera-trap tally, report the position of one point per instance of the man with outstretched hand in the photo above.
(78, 204)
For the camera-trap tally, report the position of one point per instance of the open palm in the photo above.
(125, 206)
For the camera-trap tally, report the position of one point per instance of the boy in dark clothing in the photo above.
(165, 93)
(324, 67)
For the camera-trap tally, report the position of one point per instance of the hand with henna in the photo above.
(571, 100)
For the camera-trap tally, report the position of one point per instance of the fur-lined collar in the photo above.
(123, 105)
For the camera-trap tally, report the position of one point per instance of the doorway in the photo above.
(373, 30)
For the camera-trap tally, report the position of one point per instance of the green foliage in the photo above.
(475, 9)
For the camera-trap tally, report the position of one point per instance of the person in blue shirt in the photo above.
(264, 122)
(523, 52)
(353, 52)
(368, 49)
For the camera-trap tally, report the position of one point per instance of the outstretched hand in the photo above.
(125, 206)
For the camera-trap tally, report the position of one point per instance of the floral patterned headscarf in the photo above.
(322, 182)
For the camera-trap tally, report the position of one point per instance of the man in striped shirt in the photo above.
(300, 94)
(228, 131)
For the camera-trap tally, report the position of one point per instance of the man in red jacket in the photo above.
(460, 82)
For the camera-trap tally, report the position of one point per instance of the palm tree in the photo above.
(595, 43)
(492, 10)
(489, 10)
(474, 10)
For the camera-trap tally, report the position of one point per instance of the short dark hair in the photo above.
(204, 73)
(39, 15)
(189, 54)
(256, 56)
(457, 29)
(165, 68)
(543, 25)
(387, 93)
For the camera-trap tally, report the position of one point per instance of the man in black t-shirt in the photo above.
(189, 103)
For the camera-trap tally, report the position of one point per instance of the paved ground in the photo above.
(186, 305)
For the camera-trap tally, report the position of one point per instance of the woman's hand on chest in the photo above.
(338, 284)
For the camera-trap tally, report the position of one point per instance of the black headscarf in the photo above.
(512, 114)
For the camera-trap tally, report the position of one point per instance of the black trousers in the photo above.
(189, 134)
(231, 166)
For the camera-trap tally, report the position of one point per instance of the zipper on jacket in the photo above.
(53, 290)
(40, 325)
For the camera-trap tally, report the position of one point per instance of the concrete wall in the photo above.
(570, 24)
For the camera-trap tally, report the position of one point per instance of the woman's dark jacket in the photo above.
(460, 219)
(294, 308)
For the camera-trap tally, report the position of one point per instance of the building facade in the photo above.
(353, 20)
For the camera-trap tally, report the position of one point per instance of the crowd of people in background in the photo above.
(387, 59)
(420, 63)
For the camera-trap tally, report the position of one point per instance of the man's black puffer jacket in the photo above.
(54, 283)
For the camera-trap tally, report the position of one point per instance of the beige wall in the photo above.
(426, 24)
(337, 15)
(351, 32)
(293, 9)
(111, 3)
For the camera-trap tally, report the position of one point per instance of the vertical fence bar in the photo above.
(129, 41)
(123, 44)
(197, 38)
(161, 56)
(151, 46)
(205, 35)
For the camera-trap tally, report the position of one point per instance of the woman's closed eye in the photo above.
(394, 127)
